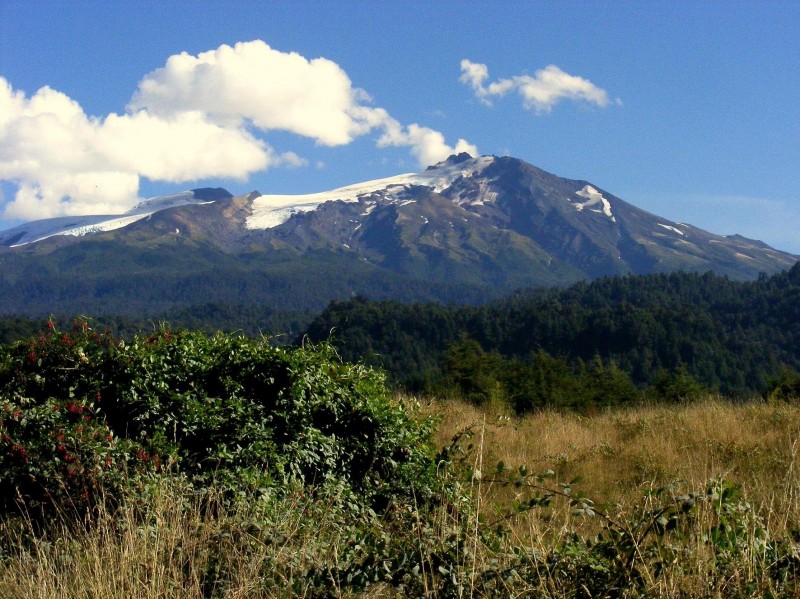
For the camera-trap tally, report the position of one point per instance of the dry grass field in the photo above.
(622, 453)
(738, 540)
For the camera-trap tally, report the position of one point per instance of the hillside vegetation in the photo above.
(185, 465)
(105, 277)
(670, 336)
(544, 347)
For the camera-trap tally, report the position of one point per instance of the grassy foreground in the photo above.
(696, 500)
(622, 454)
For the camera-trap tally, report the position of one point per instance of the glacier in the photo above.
(272, 210)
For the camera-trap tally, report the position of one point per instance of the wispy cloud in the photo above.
(197, 117)
(539, 93)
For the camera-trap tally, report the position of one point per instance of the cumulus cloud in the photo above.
(253, 82)
(65, 162)
(427, 145)
(198, 117)
(540, 93)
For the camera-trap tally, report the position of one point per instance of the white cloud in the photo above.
(74, 193)
(540, 93)
(291, 160)
(253, 82)
(475, 74)
(183, 148)
(198, 117)
(65, 162)
(427, 145)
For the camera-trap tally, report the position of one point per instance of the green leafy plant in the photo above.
(220, 408)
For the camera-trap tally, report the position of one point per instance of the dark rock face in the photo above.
(211, 193)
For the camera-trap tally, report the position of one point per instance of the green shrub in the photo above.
(55, 444)
(471, 372)
(82, 410)
(785, 386)
(677, 386)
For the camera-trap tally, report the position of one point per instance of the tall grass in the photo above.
(172, 541)
(178, 543)
(632, 461)
(621, 453)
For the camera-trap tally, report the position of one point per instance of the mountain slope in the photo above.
(464, 230)
(506, 222)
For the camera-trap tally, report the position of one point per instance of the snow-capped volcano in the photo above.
(465, 229)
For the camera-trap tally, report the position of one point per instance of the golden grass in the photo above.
(621, 453)
(176, 545)
(171, 544)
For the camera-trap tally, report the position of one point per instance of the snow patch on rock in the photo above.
(594, 198)
(670, 228)
(77, 226)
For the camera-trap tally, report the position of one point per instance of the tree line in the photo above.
(672, 334)
(668, 336)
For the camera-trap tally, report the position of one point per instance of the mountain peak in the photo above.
(451, 160)
(211, 194)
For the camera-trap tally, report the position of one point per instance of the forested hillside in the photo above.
(661, 330)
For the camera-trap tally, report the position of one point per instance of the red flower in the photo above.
(20, 451)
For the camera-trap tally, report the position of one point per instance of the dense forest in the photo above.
(675, 333)
(595, 343)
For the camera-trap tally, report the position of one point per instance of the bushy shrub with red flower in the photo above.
(82, 414)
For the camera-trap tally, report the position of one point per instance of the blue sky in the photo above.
(689, 110)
